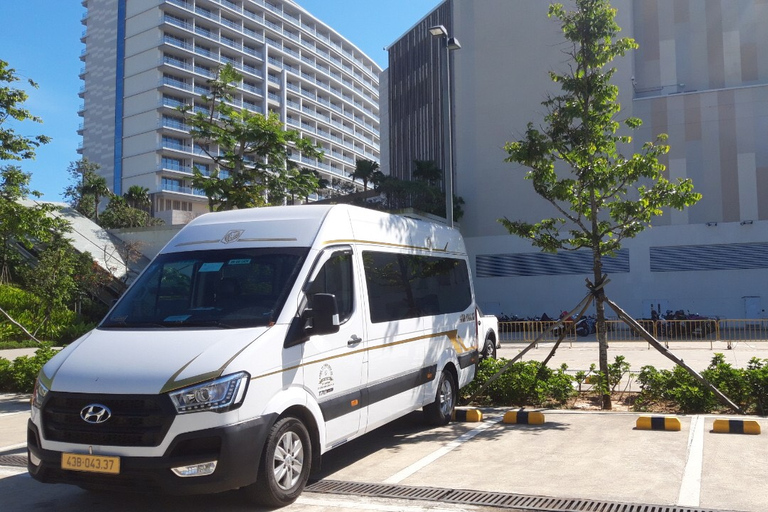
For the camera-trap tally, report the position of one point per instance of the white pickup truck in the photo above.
(487, 330)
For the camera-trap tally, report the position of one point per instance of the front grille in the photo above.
(137, 420)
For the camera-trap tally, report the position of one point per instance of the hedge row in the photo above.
(527, 383)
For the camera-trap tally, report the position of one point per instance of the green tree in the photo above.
(365, 170)
(303, 182)
(88, 188)
(247, 148)
(138, 197)
(21, 224)
(119, 214)
(12, 145)
(52, 278)
(428, 171)
(576, 160)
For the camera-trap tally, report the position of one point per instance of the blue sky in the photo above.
(41, 40)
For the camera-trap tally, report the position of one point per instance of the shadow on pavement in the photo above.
(21, 494)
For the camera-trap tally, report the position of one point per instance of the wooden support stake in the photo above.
(669, 355)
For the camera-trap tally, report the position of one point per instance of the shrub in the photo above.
(732, 382)
(676, 386)
(6, 382)
(20, 375)
(64, 325)
(523, 383)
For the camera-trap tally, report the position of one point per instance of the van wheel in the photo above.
(440, 411)
(489, 349)
(285, 465)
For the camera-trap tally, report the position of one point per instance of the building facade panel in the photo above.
(695, 77)
(293, 65)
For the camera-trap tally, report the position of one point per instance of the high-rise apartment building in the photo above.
(699, 76)
(145, 58)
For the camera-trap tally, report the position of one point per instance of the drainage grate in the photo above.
(14, 460)
(517, 502)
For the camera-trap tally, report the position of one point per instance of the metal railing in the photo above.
(666, 331)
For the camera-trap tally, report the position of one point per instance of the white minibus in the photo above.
(254, 342)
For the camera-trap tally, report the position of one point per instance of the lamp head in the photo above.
(438, 31)
(453, 44)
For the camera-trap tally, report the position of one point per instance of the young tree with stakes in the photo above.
(577, 163)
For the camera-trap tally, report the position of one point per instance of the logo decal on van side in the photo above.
(233, 235)
(325, 383)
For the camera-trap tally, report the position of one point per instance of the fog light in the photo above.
(34, 460)
(202, 469)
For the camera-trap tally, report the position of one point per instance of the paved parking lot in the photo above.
(587, 455)
(577, 455)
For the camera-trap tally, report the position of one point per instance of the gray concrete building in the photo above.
(145, 58)
(699, 76)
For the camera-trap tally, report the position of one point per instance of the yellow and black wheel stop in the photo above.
(522, 417)
(467, 415)
(736, 427)
(658, 423)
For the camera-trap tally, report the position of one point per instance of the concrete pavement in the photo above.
(582, 455)
(575, 454)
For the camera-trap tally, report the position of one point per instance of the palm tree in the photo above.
(96, 186)
(427, 170)
(138, 197)
(364, 170)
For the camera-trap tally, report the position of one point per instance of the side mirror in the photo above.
(325, 314)
(321, 318)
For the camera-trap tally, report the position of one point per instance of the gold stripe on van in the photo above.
(173, 384)
(452, 335)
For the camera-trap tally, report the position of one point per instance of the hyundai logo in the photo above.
(95, 413)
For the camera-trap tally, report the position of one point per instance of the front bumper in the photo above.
(236, 448)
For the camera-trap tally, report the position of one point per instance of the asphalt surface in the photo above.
(574, 454)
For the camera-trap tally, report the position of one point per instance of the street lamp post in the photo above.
(449, 43)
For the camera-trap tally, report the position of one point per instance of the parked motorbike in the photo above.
(586, 325)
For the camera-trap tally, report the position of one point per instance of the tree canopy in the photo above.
(577, 160)
(365, 170)
(14, 146)
(250, 151)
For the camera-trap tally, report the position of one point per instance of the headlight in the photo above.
(218, 395)
(38, 394)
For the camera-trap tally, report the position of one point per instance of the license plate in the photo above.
(90, 463)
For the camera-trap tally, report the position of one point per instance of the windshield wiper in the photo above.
(126, 325)
(200, 323)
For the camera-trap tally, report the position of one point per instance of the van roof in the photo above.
(308, 225)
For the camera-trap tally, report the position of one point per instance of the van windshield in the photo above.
(221, 288)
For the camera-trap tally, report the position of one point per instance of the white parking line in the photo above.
(690, 487)
(432, 457)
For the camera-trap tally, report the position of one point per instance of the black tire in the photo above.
(489, 349)
(440, 411)
(285, 464)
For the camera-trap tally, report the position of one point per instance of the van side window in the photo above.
(404, 286)
(335, 276)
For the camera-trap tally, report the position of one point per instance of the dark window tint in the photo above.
(221, 288)
(408, 286)
(335, 276)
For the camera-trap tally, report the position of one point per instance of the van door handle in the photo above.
(354, 340)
